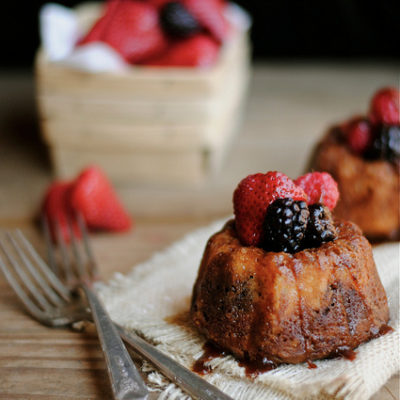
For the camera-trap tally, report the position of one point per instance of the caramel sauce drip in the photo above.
(255, 368)
(350, 354)
(383, 330)
(311, 365)
(252, 368)
(345, 352)
(210, 352)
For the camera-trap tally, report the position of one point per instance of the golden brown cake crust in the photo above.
(288, 307)
(369, 190)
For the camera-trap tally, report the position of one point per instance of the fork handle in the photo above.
(183, 377)
(125, 379)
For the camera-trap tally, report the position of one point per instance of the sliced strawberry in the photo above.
(93, 196)
(210, 15)
(251, 199)
(197, 51)
(57, 210)
(132, 28)
(98, 29)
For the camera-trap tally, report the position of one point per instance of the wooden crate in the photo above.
(146, 125)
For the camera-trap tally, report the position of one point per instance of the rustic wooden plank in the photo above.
(43, 362)
(59, 382)
(390, 391)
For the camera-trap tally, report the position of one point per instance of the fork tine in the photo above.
(49, 244)
(47, 289)
(64, 255)
(53, 279)
(93, 271)
(24, 277)
(32, 308)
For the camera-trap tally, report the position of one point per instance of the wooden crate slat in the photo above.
(146, 82)
(150, 125)
(180, 167)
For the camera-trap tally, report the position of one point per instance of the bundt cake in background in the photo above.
(363, 156)
(283, 282)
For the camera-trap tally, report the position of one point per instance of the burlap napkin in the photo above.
(154, 299)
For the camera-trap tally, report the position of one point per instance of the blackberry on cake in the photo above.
(320, 228)
(285, 225)
(386, 145)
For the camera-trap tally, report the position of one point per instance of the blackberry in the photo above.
(320, 227)
(177, 21)
(285, 225)
(386, 144)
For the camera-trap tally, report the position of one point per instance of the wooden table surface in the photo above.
(288, 108)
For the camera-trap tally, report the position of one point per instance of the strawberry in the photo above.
(93, 196)
(197, 51)
(251, 199)
(132, 28)
(320, 187)
(96, 32)
(385, 107)
(210, 15)
(57, 210)
(359, 134)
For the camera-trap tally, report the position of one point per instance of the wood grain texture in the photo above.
(288, 109)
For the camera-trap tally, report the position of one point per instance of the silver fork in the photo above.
(49, 301)
(80, 273)
(183, 377)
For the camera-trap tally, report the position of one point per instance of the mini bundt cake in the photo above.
(363, 156)
(293, 293)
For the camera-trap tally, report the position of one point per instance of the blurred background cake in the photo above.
(363, 155)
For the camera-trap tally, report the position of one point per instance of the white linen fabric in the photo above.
(149, 298)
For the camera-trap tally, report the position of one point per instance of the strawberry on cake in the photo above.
(283, 282)
(363, 155)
